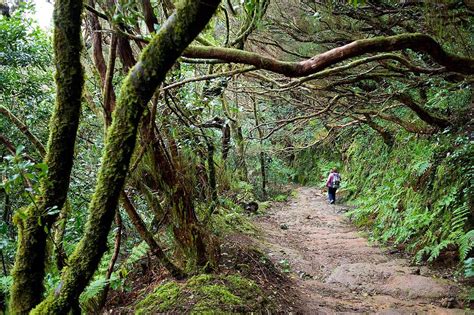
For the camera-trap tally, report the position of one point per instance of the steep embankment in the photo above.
(337, 270)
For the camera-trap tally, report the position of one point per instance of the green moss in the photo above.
(163, 298)
(215, 297)
(199, 280)
(29, 270)
(205, 294)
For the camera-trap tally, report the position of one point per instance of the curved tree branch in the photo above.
(415, 41)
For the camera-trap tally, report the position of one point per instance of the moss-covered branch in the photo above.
(207, 77)
(416, 41)
(156, 59)
(28, 272)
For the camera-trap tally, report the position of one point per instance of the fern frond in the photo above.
(436, 250)
(138, 252)
(93, 289)
(466, 244)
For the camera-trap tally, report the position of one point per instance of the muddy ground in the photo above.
(336, 270)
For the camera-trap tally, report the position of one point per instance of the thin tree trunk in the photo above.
(148, 237)
(24, 129)
(149, 15)
(59, 231)
(225, 142)
(113, 260)
(262, 154)
(240, 150)
(97, 51)
(212, 176)
(108, 90)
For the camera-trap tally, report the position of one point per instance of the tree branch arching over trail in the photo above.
(157, 58)
(416, 41)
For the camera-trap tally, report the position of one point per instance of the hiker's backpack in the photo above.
(336, 180)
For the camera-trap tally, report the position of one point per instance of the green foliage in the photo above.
(230, 217)
(469, 273)
(469, 267)
(280, 198)
(356, 2)
(5, 284)
(285, 265)
(26, 82)
(92, 291)
(417, 193)
(466, 244)
(21, 175)
(23, 42)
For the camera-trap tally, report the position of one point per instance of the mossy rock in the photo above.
(206, 294)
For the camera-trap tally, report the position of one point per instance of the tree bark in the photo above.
(147, 236)
(416, 41)
(422, 113)
(225, 142)
(157, 58)
(262, 154)
(107, 88)
(386, 135)
(240, 150)
(149, 15)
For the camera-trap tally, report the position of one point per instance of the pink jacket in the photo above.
(329, 181)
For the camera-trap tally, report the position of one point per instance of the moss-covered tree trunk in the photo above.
(156, 59)
(384, 133)
(421, 112)
(28, 272)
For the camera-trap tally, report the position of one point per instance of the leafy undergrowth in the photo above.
(416, 195)
(246, 282)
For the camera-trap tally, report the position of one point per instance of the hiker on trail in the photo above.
(332, 184)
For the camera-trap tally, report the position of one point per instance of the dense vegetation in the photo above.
(165, 144)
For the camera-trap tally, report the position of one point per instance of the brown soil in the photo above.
(336, 270)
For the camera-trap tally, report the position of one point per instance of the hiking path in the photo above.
(336, 270)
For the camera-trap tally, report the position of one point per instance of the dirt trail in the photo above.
(338, 271)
